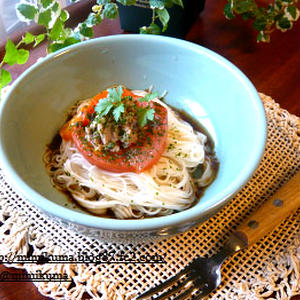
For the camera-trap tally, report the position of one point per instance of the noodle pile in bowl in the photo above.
(168, 186)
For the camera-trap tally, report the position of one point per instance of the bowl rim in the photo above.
(188, 215)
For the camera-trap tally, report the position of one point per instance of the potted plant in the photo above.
(162, 16)
(175, 18)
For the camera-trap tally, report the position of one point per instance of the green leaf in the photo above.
(46, 3)
(56, 32)
(55, 47)
(292, 10)
(163, 16)
(117, 111)
(157, 4)
(127, 2)
(93, 20)
(71, 41)
(55, 7)
(86, 31)
(151, 29)
(110, 10)
(148, 97)
(243, 6)
(64, 15)
(103, 107)
(38, 39)
(145, 114)
(107, 109)
(5, 78)
(28, 38)
(45, 18)
(115, 94)
(11, 53)
(103, 2)
(22, 57)
(263, 37)
(178, 2)
(60, 45)
(284, 23)
(260, 23)
(28, 11)
(228, 11)
(113, 100)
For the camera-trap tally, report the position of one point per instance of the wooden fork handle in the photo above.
(283, 203)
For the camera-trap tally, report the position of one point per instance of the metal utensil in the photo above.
(203, 275)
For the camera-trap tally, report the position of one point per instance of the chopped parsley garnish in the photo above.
(145, 114)
(148, 97)
(112, 101)
(116, 104)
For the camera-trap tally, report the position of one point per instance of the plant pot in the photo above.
(181, 20)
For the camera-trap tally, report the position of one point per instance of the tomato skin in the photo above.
(136, 158)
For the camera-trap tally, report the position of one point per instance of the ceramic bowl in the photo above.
(197, 80)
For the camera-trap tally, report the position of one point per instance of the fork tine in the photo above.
(163, 285)
(174, 289)
(185, 294)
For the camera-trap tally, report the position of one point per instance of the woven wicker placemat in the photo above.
(268, 269)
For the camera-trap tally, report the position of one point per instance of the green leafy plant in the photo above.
(14, 54)
(279, 14)
(50, 15)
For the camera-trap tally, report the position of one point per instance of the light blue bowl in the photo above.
(204, 84)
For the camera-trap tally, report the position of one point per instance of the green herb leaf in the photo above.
(292, 10)
(55, 7)
(145, 114)
(263, 37)
(93, 19)
(64, 15)
(243, 6)
(103, 107)
(110, 10)
(11, 53)
(86, 31)
(56, 32)
(60, 45)
(178, 2)
(148, 97)
(28, 11)
(157, 4)
(163, 16)
(22, 56)
(118, 111)
(46, 3)
(5, 78)
(45, 18)
(28, 38)
(284, 23)
(228, 11)
(127, 2)
(115, 94)
(151, 29)
(103, 2)
(38, 39)
(260, 23)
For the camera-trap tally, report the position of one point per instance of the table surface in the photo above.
(272, 67)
